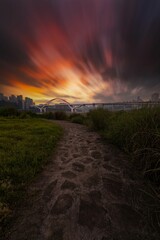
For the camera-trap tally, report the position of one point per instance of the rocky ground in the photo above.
(88, 191)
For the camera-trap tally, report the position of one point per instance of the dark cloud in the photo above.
(93, 53)
(117, 39)
(11, 51)
(139, 25)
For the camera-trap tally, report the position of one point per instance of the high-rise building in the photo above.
(155, 97)
(5, 98)
(16, 102)
(28, 103)
(20, 102)
(13, 99)
(1, 96)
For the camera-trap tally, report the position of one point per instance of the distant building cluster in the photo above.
(16, 101)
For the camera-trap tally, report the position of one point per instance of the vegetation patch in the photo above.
(25, 145)
(77, 118)
(58, 115)
(136, 132)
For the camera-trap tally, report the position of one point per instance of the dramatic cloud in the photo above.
(83, 50)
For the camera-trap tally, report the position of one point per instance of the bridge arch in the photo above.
(61, 99)
(72, 107)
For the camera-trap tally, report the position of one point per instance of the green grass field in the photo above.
(25, 146)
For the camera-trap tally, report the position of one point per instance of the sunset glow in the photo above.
(83, 50)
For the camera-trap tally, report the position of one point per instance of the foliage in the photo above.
(25, 145)
(99, 118)
(8, 112)
(58, 115)
(77, 118)
(13, 112)
(48, 115)
(137, 132)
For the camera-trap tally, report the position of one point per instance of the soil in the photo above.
(88, 191)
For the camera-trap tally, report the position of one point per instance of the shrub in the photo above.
(99, 118)
(77, 118)
(55, 115)
(137, 132)
(8, 112)
(48, 115)
(60, 115)
(24, 115)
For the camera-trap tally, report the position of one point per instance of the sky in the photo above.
(80, 50)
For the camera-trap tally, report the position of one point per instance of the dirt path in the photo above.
(87, 192)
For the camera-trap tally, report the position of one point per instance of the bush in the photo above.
(136, 132)
(9, 112)
(55, 115)
(13, 112)
(60, 116)
(24, 115)
(77, 118)
(99, 118)
(49, 115)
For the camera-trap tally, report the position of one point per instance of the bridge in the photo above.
(111, 106)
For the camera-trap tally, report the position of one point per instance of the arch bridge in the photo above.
(111, 106)
(72, 107)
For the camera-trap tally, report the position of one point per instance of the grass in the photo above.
(136, 132)
(77, 118)
(58, 115)
(25, 145)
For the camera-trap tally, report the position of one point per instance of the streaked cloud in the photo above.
(86, 50)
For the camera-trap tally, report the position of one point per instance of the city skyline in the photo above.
(84, 50)
(16, 101)
(155, 97)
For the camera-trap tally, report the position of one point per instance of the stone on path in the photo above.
(68, 185)
(63, 203)
(92, 215)
(78, 167)
(69, 174)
